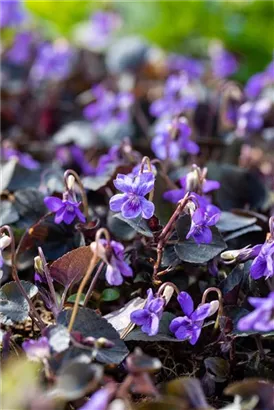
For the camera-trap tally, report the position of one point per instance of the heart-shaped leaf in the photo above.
(189, 251)
(230, 222)
(14, 176)
(89, 323)
(110, 294)
(96, 182)
(14, 306)
(139, 224)
(77, 378)
(9, 213)
(239, 274)
(71, 267)
(29, 204)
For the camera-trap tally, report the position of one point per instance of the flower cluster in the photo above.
(132, 201)
(251, 116)
(108, 106)
(261, 319)
(189, 327)
(179, 97)
(172, 138)
(53, 62)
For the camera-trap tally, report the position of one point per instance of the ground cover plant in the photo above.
(137, 225)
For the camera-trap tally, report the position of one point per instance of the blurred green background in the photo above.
(245, 27)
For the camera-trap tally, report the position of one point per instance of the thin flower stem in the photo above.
(48, 277)
(220, 299)
(166, 232)
(146, 160)
(93, 283)
(85, 279)
(164, 285)
(33, 311)
(69, 172)
(92, 264)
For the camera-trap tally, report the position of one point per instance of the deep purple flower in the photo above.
(223, 63)
(190, 326)
(255, 85)
(263, 264)
(108, 106)
(201, 220)
(179, 97)
(172, 138)
(12, 13)
(102, 27)
(261, 319)
(66, 210)
(194, 68)
(24, 159)
(20, 51)
(53, 62)
(251, 116)
(132, 202)
(149, 317)
(114, 258)
(37, 350)
(188, 185)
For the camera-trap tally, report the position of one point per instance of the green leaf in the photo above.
(72, 298)
(110, 294)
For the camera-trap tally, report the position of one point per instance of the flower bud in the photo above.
(70, 182)
(38, 265)
(102, 342)
(5, 241)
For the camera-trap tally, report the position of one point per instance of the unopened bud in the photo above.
(5, 241)
(102, 342)
(38, 265)
(70, 182)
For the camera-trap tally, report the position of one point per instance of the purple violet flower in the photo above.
(263, 264)
(194, 68)
(223, 62)
(190, 326)
(53, 62)
(250, 116)
(132, 202)
(37, 350)
(261, 319)
(175, 195)
(66, 210)
(102, 26)
(12, 13)
(116, 265)
(20, 51)
(201, 221)
(149, 317)
(108, 106)
(255, 85)
(172, 138)
(24, 159)
(179, 97)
